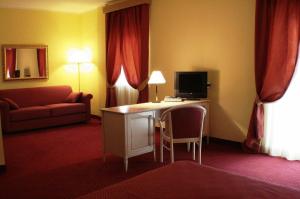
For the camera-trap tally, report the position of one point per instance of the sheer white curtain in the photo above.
(125, 93)
(282, 122)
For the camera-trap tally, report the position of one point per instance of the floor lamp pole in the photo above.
(78, 71)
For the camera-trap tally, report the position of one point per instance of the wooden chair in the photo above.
(183, 124)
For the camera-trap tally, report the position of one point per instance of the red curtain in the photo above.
(135, 48)
(10, 56)
(277, 33)
(41, 58)
(113, 55)
(127, 41)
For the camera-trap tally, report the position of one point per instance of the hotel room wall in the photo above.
(61, 32)
(217, 36)
(93, 37)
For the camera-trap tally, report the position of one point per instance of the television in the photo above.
(191, 85)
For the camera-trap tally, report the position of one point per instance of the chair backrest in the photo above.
(184, 121)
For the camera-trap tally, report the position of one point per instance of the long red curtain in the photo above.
(277, 33)
(41, 59)
(10, 57)
(127, 45)
(135, 48)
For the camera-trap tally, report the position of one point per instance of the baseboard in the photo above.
(222, 141)
(96, 117)
(216, 140)
(2, 168)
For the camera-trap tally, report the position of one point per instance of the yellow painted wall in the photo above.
(61, 32)
(93, 37)
(212, 35)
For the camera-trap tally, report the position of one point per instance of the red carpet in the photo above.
(65, 162)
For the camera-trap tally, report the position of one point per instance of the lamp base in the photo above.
(156, 102)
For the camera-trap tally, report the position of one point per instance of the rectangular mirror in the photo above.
(25, 62)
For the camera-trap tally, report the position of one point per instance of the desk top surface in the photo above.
(149, 106)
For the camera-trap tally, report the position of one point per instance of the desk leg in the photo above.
(154, 143)
(188, 145)
(126, 164)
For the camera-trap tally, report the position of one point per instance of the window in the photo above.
(125, 93)
(282, 123)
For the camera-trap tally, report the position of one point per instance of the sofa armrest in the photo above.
(86, 99)
(4, 110)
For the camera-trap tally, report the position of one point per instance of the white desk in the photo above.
(128, 130)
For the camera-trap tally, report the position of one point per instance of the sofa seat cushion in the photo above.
(66, 108)
(28, 113)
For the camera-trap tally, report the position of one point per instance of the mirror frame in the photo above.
(23, 46)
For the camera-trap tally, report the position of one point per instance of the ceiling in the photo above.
(75, 6)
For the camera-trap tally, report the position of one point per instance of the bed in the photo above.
(186, 179)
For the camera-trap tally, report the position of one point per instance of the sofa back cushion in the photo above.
(73, 97)
(26, 97)
(12, 105)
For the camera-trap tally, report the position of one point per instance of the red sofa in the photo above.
(31, 108)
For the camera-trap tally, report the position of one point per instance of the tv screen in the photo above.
(191, 84)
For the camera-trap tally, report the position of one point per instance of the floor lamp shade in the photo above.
(79, 57)
(156, 78)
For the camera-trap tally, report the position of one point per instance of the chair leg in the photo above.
(194, 151)
(126, 164)
(161, 153)
(207, 139)
(154, 142)
(200, 146)
(161, 148)
(188, 145)
(172, 152)
(104, 158)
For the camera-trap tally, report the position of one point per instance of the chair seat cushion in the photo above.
(28, 113)
(66, 108)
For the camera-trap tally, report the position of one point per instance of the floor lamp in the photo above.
(156, 78)
(79, 57)
(78, 73)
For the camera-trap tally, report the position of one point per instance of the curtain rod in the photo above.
(122, 4)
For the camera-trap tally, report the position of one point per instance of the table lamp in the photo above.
(156, 78)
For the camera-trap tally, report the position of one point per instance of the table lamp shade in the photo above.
(156, 78)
